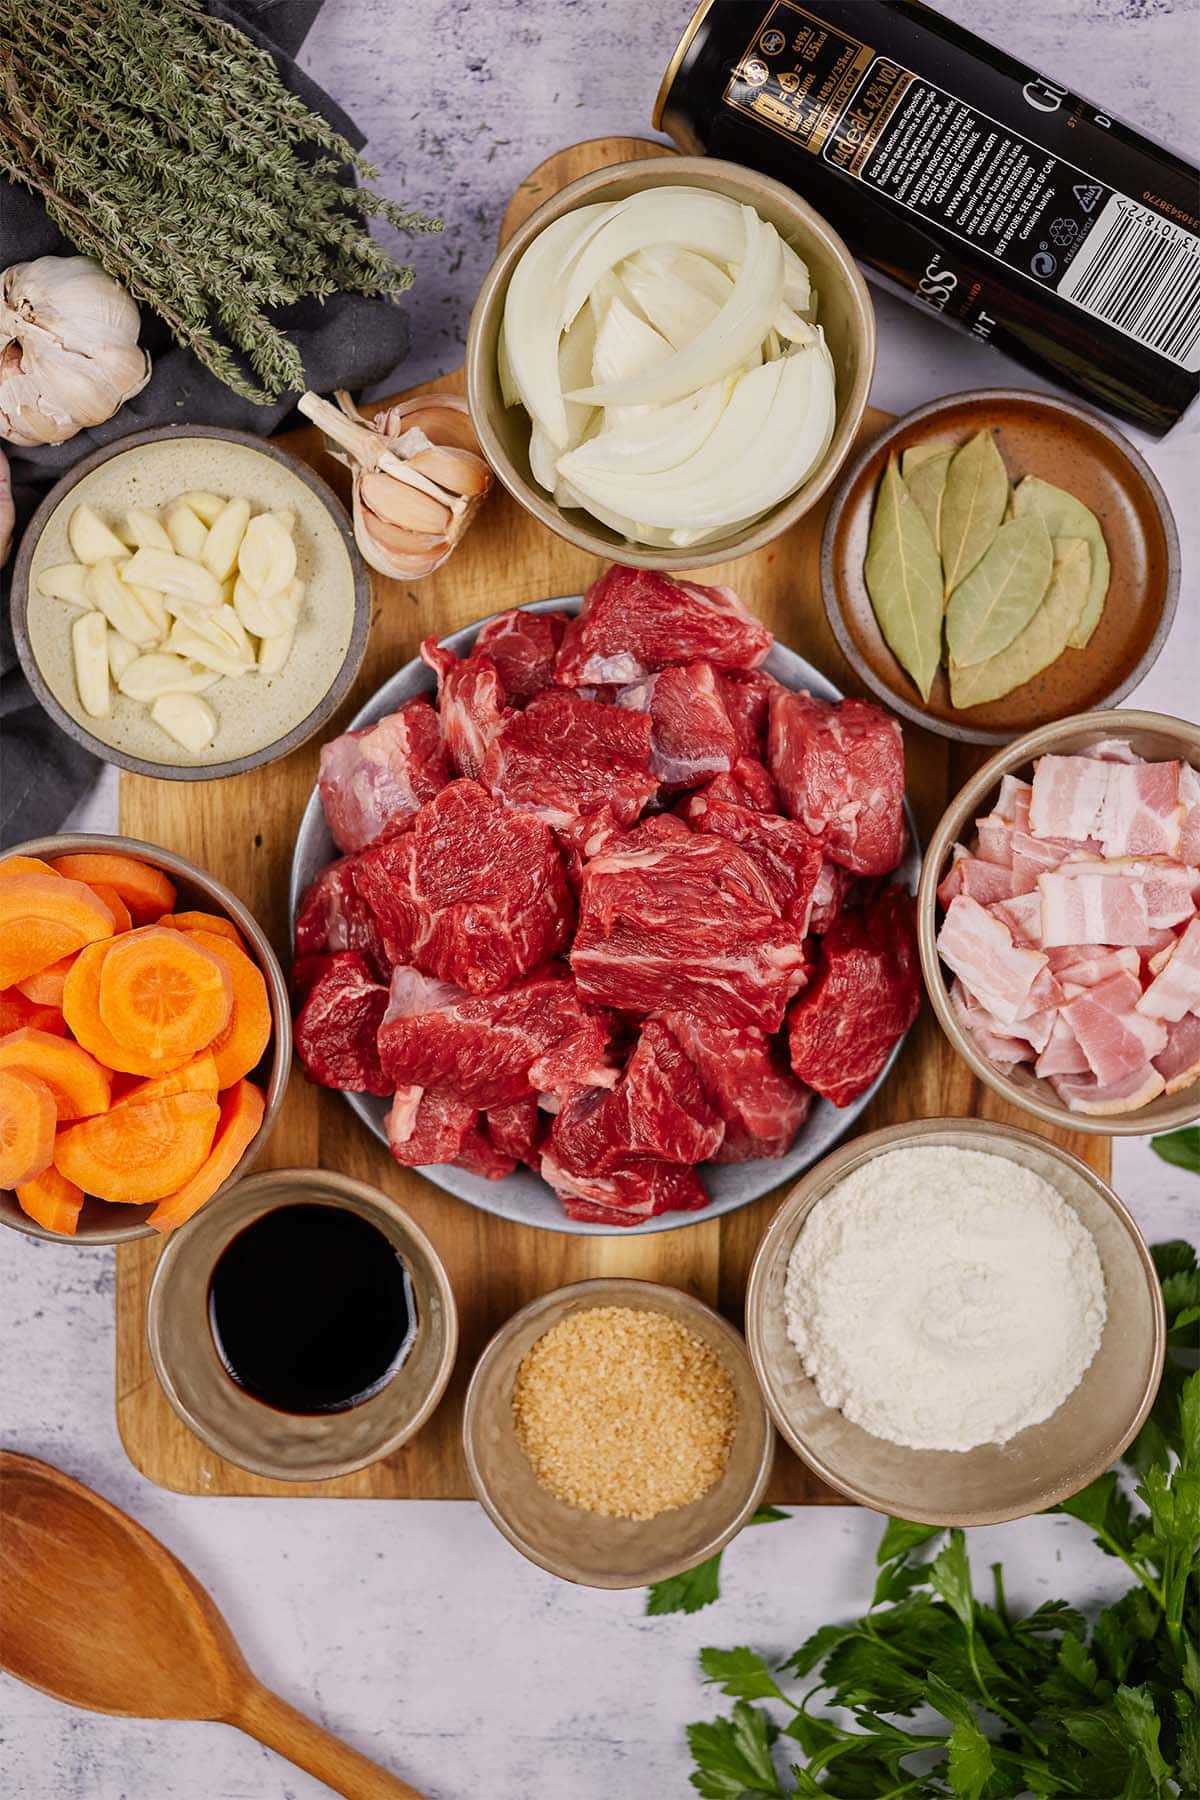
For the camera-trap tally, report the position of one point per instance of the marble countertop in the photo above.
(412, 1628)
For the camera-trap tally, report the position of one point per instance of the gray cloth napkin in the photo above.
(348, 342)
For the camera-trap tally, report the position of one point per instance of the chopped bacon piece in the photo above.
(372, 781)
(1142, 814)
(995, 1044)
(979, 947)
(1031, 856)
(1175, 990)
(1087, 965)
(1119, 991)
(1179, 1062)
(1068, 797)
(1189, 796)
(1115, 1043)
(471, 701)
(1118, 902)
(994, 840)
(1083, 1093)
(1063, 1054)
(1013, 802)
(692, 736)
(1023, 916)
(634, 621)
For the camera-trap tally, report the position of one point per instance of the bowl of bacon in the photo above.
(1059, 925)
(620, 935)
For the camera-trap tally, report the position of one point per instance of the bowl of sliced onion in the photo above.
(669, 360)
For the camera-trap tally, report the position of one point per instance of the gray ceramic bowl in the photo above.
(262, 718)
(523, 1196)
(844, 312)
(1150, 735)
(588, 1547)
(100, 1222)
(1042, 1464)
(255, 1436)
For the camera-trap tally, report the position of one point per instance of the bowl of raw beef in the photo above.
(1059, 922)
(600, 890)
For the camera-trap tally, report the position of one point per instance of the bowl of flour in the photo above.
(956, 1322)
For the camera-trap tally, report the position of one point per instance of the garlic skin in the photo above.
(69, 354)
(8, 512)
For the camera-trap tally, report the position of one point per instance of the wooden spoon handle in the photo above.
(273, 1722)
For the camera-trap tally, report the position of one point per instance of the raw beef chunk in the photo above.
(563, 758)
(790, 857)
(840, 770)
(372, 781)
(866, 994)
(523, 645)
(833, 883)
(680, 921)
(473, 893)
(334, 916)
(635, 621)
(747, 696)
(746, 784)
(748, 1081)
(657, 1109)
(518, 1128)
(431, 1125)
(536, 1038)
(692, 737)
(641, 1190)
(471, 700)
(337, 1030)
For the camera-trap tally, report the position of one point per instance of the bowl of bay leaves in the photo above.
(997, 561)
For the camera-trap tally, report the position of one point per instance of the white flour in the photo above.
(944, 1298)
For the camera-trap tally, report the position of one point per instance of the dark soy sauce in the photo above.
(311, 1309)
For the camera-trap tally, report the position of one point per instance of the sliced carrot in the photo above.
(137, 1153)
(122, 917)
(242, 1111)
(16, 1009)
(240, 1045)
(164, 993)
(146, 891)
(79, 1085)
(81, 1010)
(52, 1201)
(196, 1077)
(201, 921)
(44, 918)
(46, 987)
(25, 865)
(28, 1117)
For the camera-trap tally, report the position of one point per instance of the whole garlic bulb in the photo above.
(69, 353)
(8, 514)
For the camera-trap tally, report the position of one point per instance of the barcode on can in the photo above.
(1140, 273)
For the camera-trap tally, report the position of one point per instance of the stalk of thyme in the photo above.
(164, 145)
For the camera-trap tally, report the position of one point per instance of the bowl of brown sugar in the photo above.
(615, 1433)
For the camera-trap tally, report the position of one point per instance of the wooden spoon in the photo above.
(96, 1612)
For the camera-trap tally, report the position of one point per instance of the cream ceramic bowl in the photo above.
(1154, 735)
(260, 718)
(586, 1547)
(844, 312)
(261, 1438)
(1041, 1465)
(101, 1222)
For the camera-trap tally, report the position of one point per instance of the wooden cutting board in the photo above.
(243, 831)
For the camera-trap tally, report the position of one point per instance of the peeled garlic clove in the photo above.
(206, 506)
(188, 643)
(90, 538)
(287, 519)
(266, 615)
(267, 555)
(144, 531)
(459, 470)
(224, 538)
(163, 673)
(190, 721)
(172, 574)
(273, 652)
(122, 609)
(89, 646)
(120, 654)
(397, 504)
(186, 530)
(153, 604)
(65, 581)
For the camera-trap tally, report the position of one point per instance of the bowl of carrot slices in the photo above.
(145, 1038)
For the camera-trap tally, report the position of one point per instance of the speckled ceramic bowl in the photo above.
(1044, 1463)
(261, 718)
(101, 1222)
(587, 1547)
(1150, 735)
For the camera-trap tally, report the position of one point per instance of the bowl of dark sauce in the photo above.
(304, 1328)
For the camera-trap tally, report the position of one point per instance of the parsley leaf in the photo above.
(733, 1756)
(970, 1761)
(1180, 1147)
(740, 1673)
(694, 1588)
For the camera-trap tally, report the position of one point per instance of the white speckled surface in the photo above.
(413, 1628)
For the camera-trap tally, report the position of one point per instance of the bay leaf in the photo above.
(927, 484)
(904, 579)
(916, 454)
(1066, 516)
(973, 504)
(1002, 592)
(1041, 642)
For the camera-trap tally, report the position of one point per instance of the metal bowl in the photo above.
(845, 314)
(1042, 1464)
(1150, 735)
(265, 718)
(523, 1196)
(101, 1222)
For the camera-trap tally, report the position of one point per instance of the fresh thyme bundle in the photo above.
(164, 144)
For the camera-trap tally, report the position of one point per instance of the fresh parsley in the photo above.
(1180, 1147)
(700, 1586)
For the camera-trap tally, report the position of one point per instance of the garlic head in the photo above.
(69, 354)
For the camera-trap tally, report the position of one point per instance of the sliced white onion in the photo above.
(676, 308)
(531, 317)
(689, 218)
(660, 437)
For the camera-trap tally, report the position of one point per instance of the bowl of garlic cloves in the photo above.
(190, 602)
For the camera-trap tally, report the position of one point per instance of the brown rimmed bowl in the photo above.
(102, 1222)
(261, 1438)
(586, 1547)
(1151, 735)
(1042, 1464)
(1036, 434)
(262, 718)
(845, 314)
